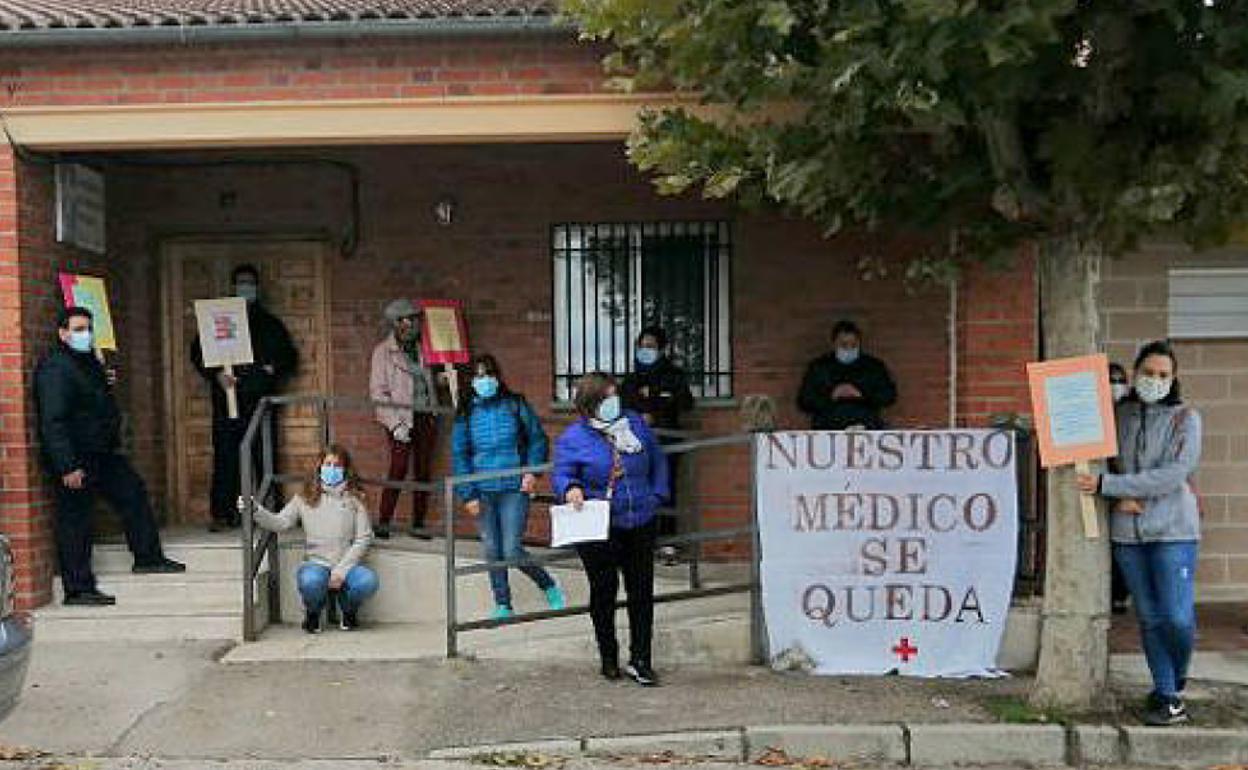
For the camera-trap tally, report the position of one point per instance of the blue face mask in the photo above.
(609, 409)
(248, 291)
(80, 341)
(485, 387)
(333, 475)
(847, 355)
(647, 356)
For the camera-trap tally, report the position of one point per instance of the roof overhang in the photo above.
(455, 120)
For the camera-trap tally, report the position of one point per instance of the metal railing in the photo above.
(695, 539)
(264, 546)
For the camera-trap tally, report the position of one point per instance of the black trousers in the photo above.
(111, 476)
(629, 552)
(227, 435)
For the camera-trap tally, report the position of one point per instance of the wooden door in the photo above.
(292, 287)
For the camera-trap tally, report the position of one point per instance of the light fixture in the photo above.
(444, 211)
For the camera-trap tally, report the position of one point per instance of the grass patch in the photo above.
(1015, 710)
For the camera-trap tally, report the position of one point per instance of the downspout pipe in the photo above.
(953, 353)
(245, 32)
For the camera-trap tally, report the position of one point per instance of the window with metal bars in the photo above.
(613, 279)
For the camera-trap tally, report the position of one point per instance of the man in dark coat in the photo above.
(658, 389)
(846, 388)
(80, 435)
(274, 360)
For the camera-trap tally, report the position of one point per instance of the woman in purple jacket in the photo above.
(609, 454)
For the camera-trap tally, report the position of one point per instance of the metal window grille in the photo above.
(613, 279)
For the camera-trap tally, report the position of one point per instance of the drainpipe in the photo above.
(243, 32)
(953, 353)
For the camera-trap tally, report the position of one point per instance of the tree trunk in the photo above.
(1074, 643)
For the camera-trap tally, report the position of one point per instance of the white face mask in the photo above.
(1120, 390)
(1152, 389)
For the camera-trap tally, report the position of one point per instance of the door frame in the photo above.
(176, 470)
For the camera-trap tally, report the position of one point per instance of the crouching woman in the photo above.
(336, 523)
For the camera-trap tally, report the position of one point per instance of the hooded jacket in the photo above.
(1158, 451)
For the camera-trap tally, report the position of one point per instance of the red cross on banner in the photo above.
(904, 651)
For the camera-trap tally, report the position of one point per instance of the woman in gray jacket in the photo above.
(1155, 524)
(336, 522)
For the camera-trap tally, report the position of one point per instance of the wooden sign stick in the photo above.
(1087, 505)
(231, 393)
(452, 380)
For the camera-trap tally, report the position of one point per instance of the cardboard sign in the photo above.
(224, 334)
(444, 338)
(887, 550)
(87, 291)
(1074, 410)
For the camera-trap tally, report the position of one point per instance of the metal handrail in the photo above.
(256, 551)
(454, 627)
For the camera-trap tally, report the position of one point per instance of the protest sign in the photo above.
(225, 339)
(444, 338)
(890, 550)
(87, 291)
(1074, 412)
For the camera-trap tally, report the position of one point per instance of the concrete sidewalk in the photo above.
(181, 702)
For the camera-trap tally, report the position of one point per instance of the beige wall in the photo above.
(1214, 376)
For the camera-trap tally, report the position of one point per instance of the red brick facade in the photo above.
(788, 283)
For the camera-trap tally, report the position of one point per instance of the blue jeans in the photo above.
(1161, 578)
(503, 518)
(313, 580)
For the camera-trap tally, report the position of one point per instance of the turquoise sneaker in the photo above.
(500, 612)
(555, 598)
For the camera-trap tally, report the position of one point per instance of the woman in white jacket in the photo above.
(336, 522)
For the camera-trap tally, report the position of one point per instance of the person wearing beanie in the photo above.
(398, 376)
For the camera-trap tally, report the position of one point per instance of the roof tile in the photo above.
(17, 15)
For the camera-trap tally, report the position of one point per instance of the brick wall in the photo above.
(998, 335)
(29, 300)
(1214, 377)
(346, 69)
(789, 284)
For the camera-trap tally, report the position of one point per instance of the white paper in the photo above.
(568, 525)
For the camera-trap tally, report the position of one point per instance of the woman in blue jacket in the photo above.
(609, 454)
(497, 429)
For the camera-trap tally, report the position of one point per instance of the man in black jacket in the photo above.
(274, 360)
(80, 434)
(658, 389)
(846, 388)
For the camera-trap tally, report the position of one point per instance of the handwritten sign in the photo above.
(1074, 410)
(445, 335)
(224, 333)
(887, 551)
(88, 291)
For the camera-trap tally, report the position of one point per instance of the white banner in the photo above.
(889, 550)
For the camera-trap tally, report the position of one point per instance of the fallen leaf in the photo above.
(20, 752)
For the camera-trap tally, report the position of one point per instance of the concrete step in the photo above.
(192, 589)
(140, 627)
(206, 555)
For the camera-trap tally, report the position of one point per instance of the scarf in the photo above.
(619, 433)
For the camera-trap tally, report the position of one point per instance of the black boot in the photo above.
(610, 669)
(312, 622)
(92, 598)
